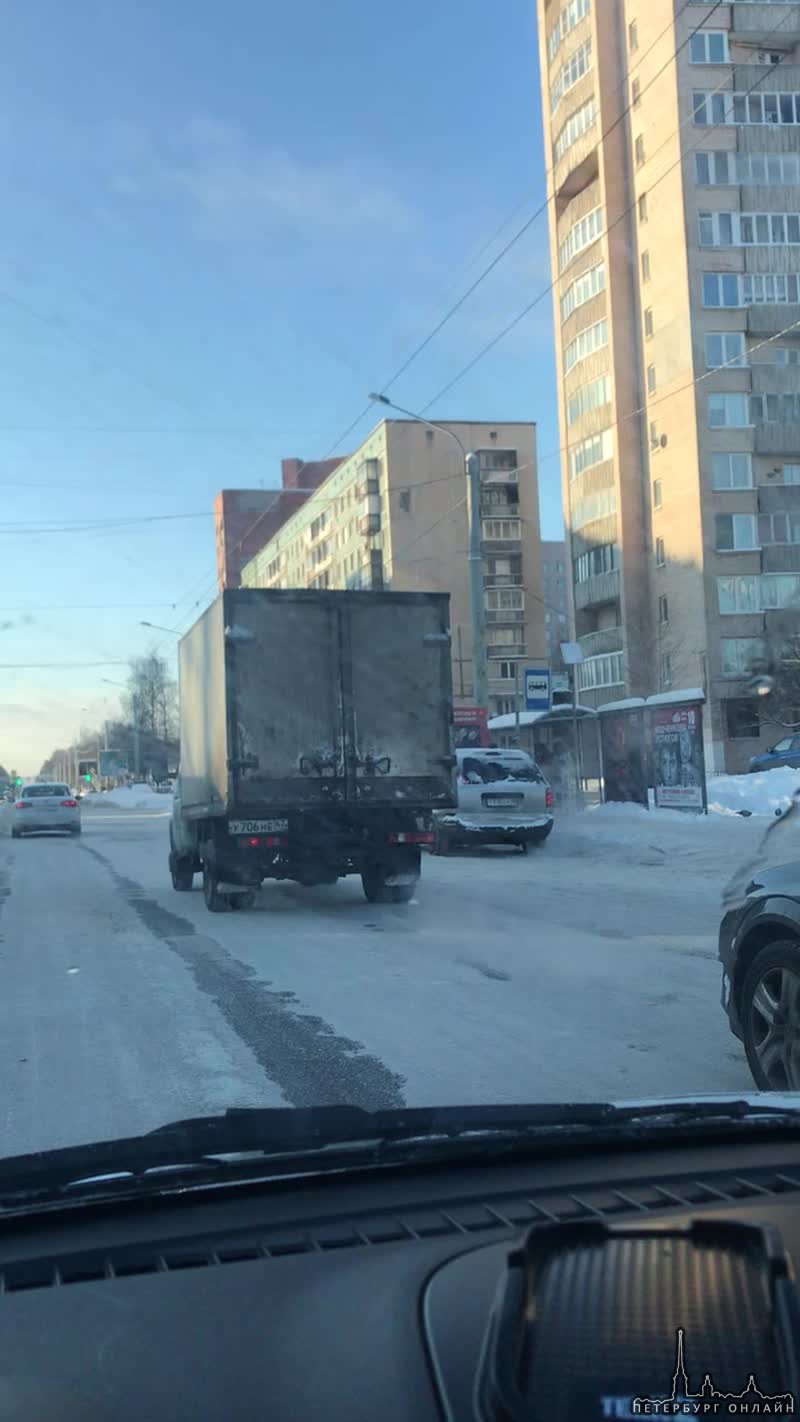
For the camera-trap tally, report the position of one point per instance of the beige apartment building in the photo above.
(675, 242)
(394, 515)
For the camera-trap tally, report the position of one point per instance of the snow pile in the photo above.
(131, 797)
(760, 793)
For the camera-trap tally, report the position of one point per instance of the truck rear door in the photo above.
(284, 714)
(397, 701)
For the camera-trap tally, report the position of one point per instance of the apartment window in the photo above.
(769, 290)
(636, 93)
(666, 671)
(739, 594)
(709, 47)
(648, 322)
(791, 473)
(602, 559)
(645, 266)
(721, 289)
(504, 599)
(740, 655)
(601, 671)
(651, 380)
(576, 125)
(728, 412)
(775, 409)
(593, 338)
(736, 533)
(492, 460)
(654, 437)
(501, 529)
(748, 229)
(591, 396)
(633, 36)
(587, 285)
(779, 527)
(404, 500)
(569, 16)
(725, 348)
(638, 149)
(785, 355)
(741, 715)
(582, 234)
(663, 609)
(599, 504)
(657, 498)
(711, 108)
(731, 471)
(660, 555)
(593, 450)
(643, 207)
(571, 71)
(504, 671)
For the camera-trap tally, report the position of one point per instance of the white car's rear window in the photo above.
(30, 792)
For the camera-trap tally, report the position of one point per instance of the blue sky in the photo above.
(222, 227)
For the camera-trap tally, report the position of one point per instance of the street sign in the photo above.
(113, 762)
(537, 689)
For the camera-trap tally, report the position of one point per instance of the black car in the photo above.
(759, 945)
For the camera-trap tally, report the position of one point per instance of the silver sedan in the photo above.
(45, 806)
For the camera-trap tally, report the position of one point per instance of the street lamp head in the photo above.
(381, 399)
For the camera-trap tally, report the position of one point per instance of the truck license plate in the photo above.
(258, 826)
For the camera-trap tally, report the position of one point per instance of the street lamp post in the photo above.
(136, 727)
(474, 560)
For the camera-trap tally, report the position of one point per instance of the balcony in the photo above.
(503, 649)
(594, 644)
(756, 24)
(505, 615)
(777, 438)
(767, 320)
(604, 587)
(369, 523)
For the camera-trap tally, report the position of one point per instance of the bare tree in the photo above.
(777, 679)
(151, 699)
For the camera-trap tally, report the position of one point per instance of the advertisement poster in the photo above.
(624, 765)
(678, 757)
(470, 727)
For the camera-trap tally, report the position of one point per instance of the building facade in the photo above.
(555, 583)
(244, 519)
(394, 515)
(674, 178)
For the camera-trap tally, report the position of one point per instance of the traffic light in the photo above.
(88, 779)
(18, 780)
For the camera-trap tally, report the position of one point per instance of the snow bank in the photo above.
(131, 797)
(762, 793)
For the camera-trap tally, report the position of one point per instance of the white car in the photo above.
(503, 798)
(45, 806)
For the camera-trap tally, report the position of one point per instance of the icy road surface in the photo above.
(585, 971)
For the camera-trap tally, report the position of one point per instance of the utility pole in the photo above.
(460, 660)
(473, 473)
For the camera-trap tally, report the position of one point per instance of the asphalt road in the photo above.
(577, 973)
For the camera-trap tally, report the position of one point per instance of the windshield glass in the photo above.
(412, 631)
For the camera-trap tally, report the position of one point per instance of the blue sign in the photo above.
(537, 689)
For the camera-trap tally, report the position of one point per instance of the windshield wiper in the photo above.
(253, 1144)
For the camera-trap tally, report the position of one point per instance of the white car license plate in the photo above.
(258, 826)
(500, 802)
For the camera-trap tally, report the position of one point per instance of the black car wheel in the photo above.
(216, 902)
(771, 1016)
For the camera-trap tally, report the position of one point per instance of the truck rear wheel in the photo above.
(216, 902)
(242, 901)
(376, 889)
(181, 873)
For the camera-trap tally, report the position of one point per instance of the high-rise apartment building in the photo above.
(556, 598)
(394, 515)
(244, 519)
(672, 136)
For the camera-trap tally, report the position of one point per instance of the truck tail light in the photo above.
(411, 837)
(548, 799)
(262, 841)
(23, 804)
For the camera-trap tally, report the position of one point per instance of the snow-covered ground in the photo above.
(761, 793)
(130, 797)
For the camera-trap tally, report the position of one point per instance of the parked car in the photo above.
(45, 806)
(784, 752)
(759, 946)
(503, 798)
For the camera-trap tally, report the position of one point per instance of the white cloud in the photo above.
(234, 188)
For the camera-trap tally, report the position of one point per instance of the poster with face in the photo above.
(678, 758)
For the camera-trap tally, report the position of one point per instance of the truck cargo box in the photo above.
(293, 697)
